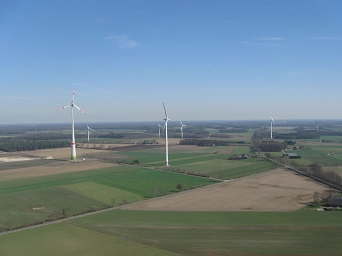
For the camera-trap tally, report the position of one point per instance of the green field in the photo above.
(319, 154)
(230, 169)
(204, 161)
(123, 232)
(32, 200)
(156, 157)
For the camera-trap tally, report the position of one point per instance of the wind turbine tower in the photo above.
(73, 143)
(182, 125)
(166, 139)
(159, 128)
(272, 122)
(89, 129)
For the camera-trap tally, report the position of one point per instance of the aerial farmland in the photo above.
(123, 196)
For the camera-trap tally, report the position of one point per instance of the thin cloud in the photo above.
(253, 43)
(123, 41)
(271, 38)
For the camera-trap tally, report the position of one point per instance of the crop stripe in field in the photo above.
(247, 170)
(202, 157)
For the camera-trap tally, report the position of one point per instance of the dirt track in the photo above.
(279, 190)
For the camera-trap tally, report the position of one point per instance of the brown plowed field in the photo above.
(53, 167)
(278, 190)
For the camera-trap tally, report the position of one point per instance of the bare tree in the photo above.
(222, 176)
(154, 192)
(64, 213)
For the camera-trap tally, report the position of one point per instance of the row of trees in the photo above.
(209, 143)
(14, 145)
(299, 135)
(236, 130)
(220, 135)
(270, 146)
(302, 134)
(314, 169)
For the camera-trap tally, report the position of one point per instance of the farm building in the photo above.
(291, 155)
(335, 201)
(243, 156)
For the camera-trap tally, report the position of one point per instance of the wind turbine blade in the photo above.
(165, 110)
(272, 119)
(79, 109)
(64, 107)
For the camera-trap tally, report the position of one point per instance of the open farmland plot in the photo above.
(36, 168)
(179, 154)
(65, 239)
(45, 197)
(279, 190)
(320, 155)
(228, 169)
(123, 232)
(60, 153)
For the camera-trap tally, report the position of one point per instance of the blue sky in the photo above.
(207, 60)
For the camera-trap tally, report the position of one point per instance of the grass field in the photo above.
(183, 233)
(319, 154)
(230, 169)
(156, 157)
(26, 201)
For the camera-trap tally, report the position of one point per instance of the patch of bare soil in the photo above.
(53, 167)
(279, 190)
(60, 152)
(171, 141)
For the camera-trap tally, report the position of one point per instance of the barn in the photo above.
(335, 201)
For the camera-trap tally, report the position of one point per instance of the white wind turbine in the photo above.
(159, 128)
(182, 125)
(73, 143)
(272, 122)
(89, 129)
(166, 139)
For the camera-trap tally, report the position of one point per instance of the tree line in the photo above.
(19, 145)
(235, 130)
(269, 146)
(208, 143)
(313, 169)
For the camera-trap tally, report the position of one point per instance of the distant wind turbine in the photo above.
(73, 143)
(272, 122)
(159, 128)
(166, 139)
(182, 125)
(89, 129)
